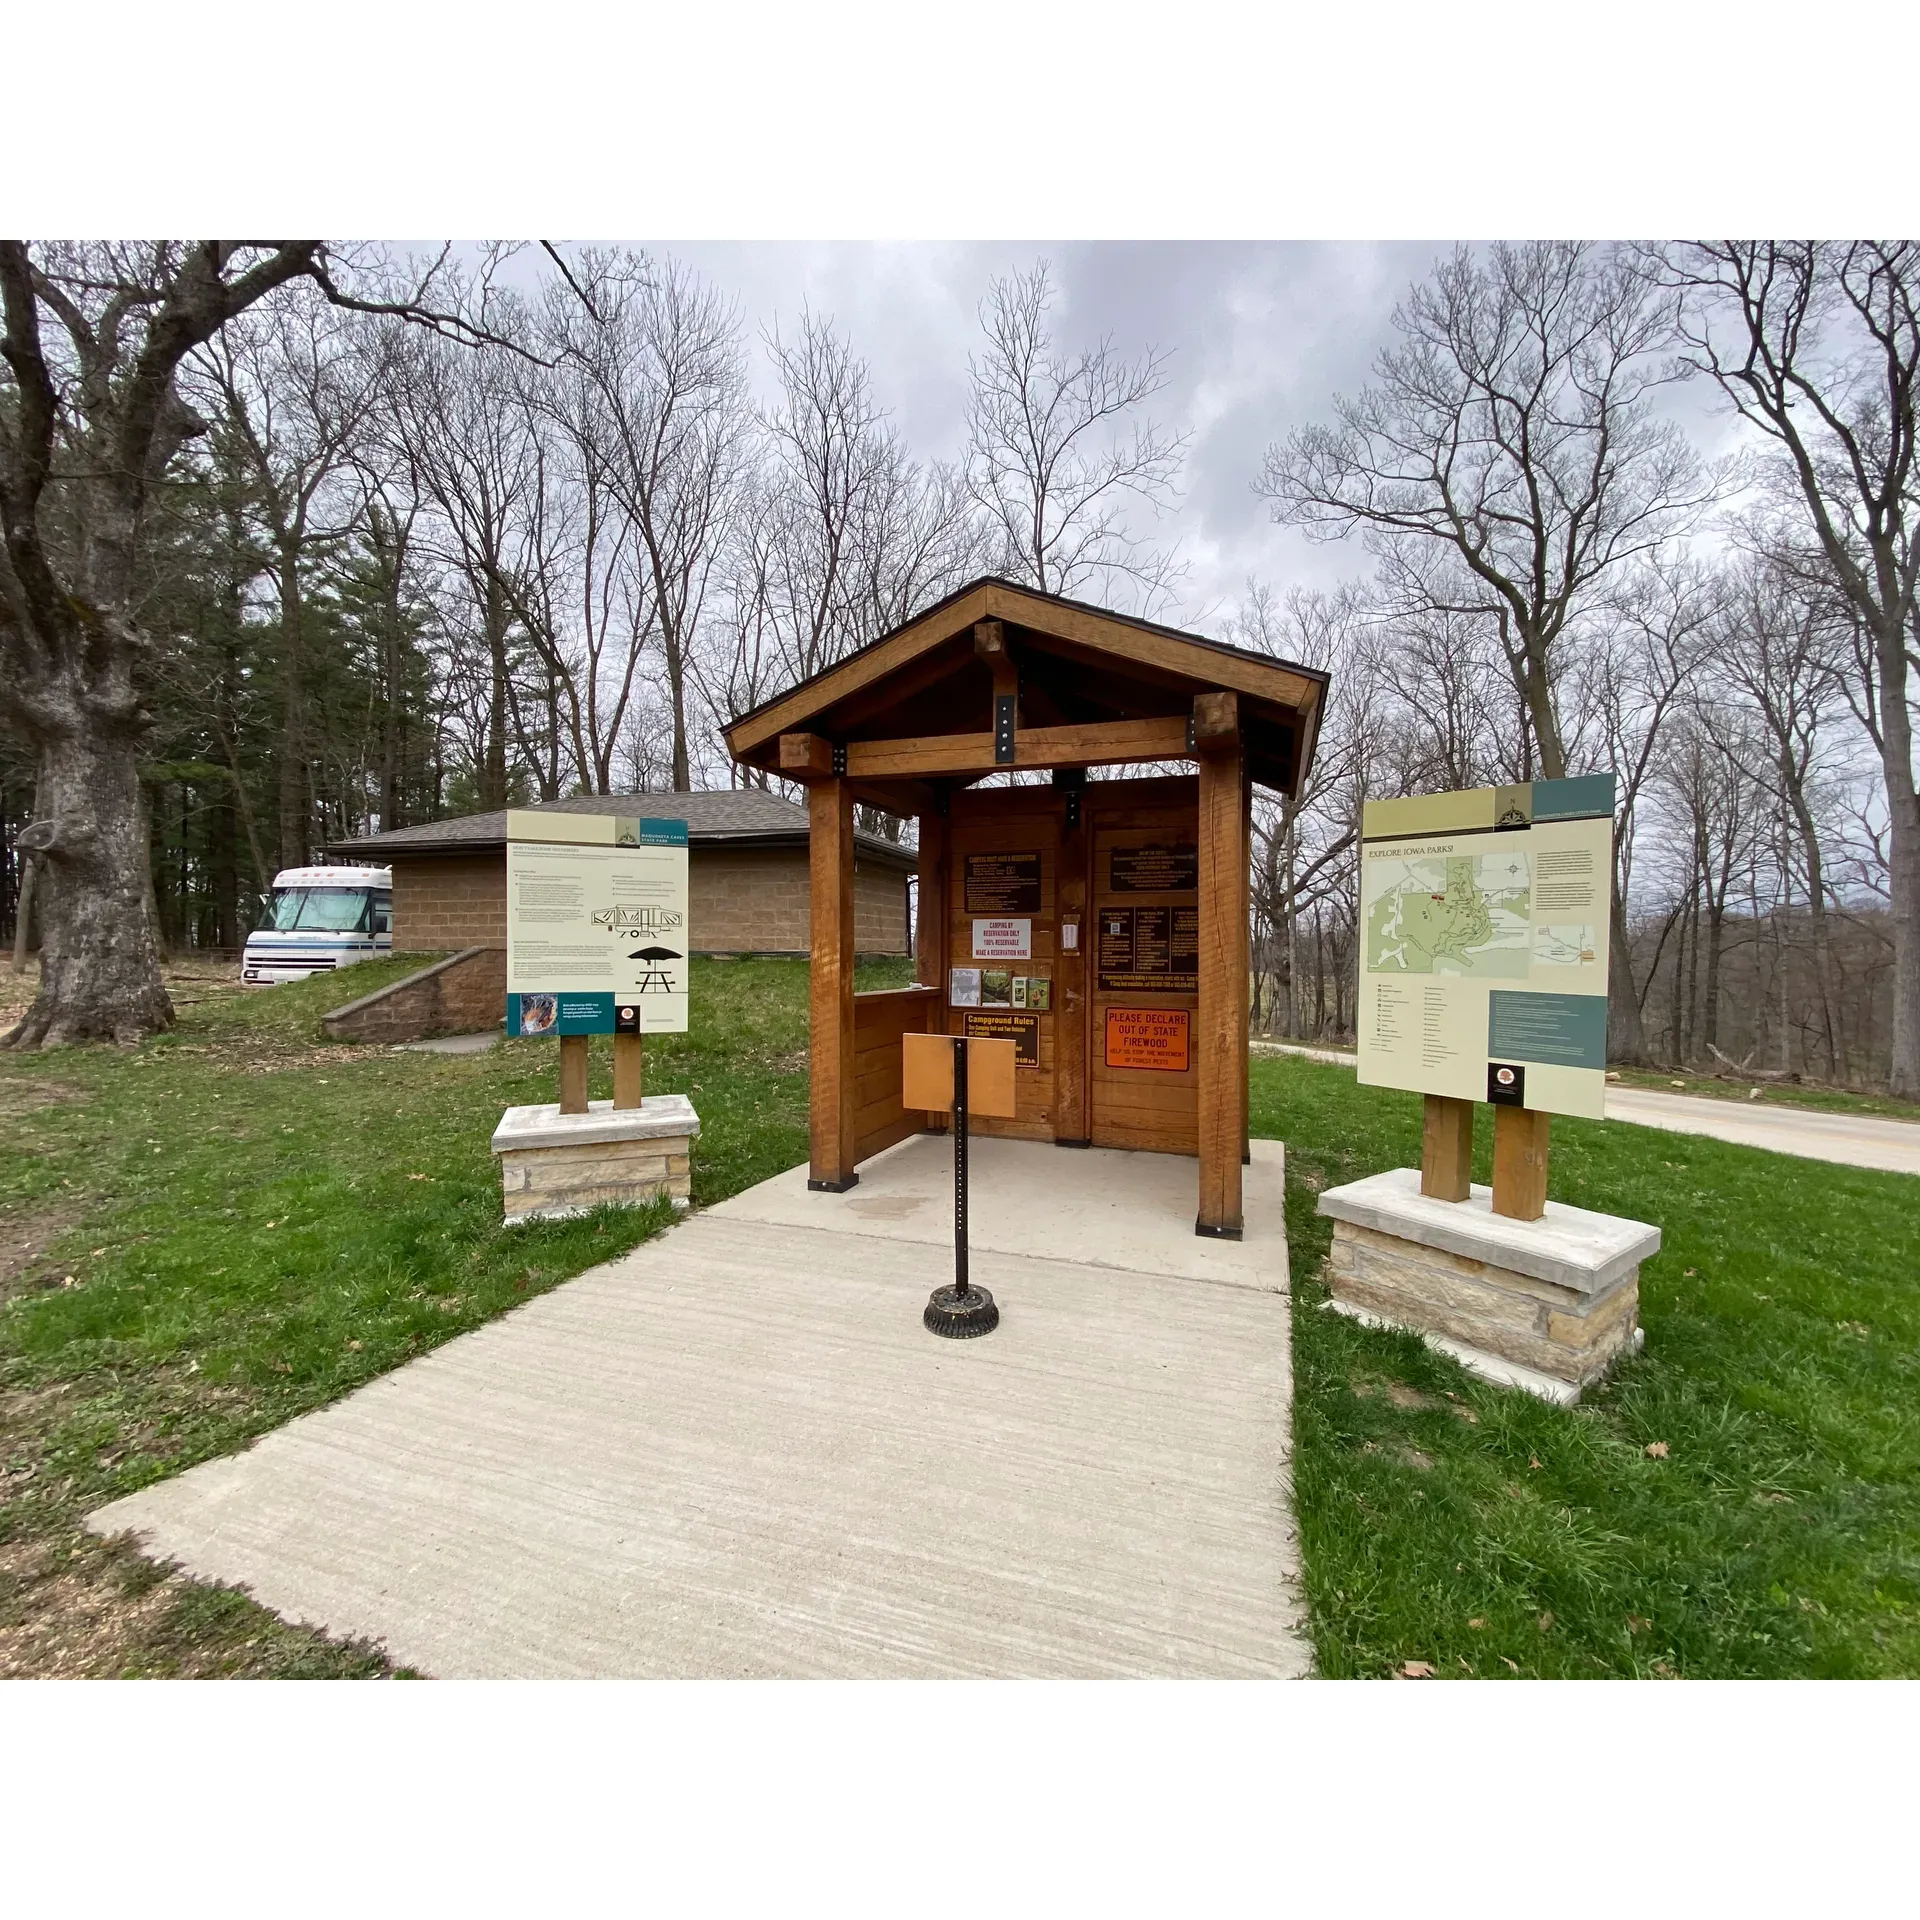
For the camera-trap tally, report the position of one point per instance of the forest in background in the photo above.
(396, 574)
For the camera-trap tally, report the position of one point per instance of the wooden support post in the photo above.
(930, 929)
(830, 1041)
(930, 936)
(990, 643)
(626, 1071)
(1519, 1162)
(1220, 1042)
(1446, 1148)
(573, 1073)
(1071, 1124)
(1246, 974)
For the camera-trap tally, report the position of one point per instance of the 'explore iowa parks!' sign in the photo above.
(1483, 931)
(596, 924)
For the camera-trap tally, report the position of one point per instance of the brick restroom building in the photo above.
(747, 874)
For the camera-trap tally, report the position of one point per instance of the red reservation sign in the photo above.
(1151, 1037)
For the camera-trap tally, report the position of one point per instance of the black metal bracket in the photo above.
(840, 758)
(1071, 781)
(833, 1186)
(1189, 733)
(1003, 711)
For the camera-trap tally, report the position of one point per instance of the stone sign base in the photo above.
(1547, 1305)
(554, 1165)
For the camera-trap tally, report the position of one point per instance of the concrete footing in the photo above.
(554, 1165)
(1546, 1305)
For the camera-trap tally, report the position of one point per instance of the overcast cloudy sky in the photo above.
(1260, 336)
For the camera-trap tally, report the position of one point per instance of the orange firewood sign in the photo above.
(1151, 1037)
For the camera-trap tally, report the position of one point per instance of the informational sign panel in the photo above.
(1023, 1029)
(1003, 939)
(1149, 1038)
(1148, 949)
(1156, 869)
(1484, 918)
(596, 924)
(1003, 883)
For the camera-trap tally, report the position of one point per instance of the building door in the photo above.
(1003, 932)
(1142, 964)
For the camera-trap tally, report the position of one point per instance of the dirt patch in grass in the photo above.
(276, 1053)
(76, 1608)
(24, 1240)
(19, 1098)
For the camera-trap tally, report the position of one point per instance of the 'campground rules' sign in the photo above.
(596, 924)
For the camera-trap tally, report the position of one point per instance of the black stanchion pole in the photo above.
(961, 1311)
(960, 1166)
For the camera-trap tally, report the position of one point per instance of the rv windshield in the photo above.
(317, 910)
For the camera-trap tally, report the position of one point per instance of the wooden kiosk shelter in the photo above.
(1129, 1004)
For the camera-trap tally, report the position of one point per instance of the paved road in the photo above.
(1849, 1139)
(737, 1451)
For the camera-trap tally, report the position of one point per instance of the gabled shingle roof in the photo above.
(740, 816)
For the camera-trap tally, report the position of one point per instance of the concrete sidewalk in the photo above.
(737, 1452)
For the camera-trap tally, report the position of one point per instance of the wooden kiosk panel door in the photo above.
(1003, 866)
(1142, 970)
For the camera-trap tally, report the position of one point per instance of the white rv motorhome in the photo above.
(319, 918)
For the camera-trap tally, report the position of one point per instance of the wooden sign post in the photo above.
(626, 1071)
(1446, 1148)
(573, 1072)
(1520, 1162)
(1519, 1156)
(953, 1074)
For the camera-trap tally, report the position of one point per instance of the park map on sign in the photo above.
(1465, 914)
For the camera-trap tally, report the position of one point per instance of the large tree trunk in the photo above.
(493, 785)
(1823, 960)
(93, 905)
(1626, 1033)
(677, 692)
(294, 810)
(1903, 861)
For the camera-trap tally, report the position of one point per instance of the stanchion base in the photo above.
(961, 1314)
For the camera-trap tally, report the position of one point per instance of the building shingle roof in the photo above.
(739, 816)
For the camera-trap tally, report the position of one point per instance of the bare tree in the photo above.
(1305, 853)
(1782, 645)
(842, 535)
(1057, 450)
(1507, 458)
(660, 349)
(294, 382)
(90, 416)
(1817, 346)
(453, 417)
(1627, 692)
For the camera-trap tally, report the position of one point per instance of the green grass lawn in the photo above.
(1777, 1532)
(238, 1222)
